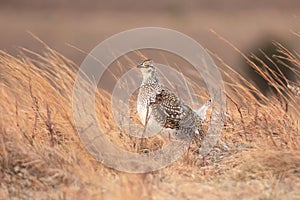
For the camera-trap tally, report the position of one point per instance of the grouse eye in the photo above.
(147, 63)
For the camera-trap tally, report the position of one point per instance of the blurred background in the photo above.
(249, 25)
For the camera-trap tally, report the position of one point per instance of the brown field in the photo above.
(246, 24)
(42, 157)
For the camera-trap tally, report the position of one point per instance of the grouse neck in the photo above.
(153, 79)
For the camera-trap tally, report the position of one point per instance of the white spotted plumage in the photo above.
(158, 108)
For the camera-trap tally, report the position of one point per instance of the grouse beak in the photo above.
(140, 66)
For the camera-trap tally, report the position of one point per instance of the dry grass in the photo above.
(41, 156)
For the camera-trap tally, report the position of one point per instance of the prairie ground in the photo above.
(42, 157)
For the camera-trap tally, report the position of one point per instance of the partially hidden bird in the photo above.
(159, 108)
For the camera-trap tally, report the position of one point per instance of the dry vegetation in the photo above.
(41, 156)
